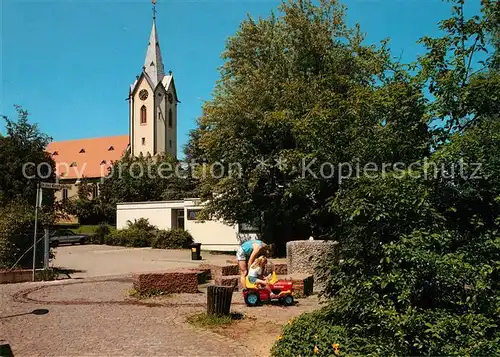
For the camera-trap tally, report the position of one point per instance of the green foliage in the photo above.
(140, 233)
(101, 232)
(130, 238)
(420, 256)
(212, 321)
(141, 224)
(294, 89)
(84, 205)
(147, 294)
(457, 68)
(433, 333)
(46, 275)
(23, 144)
(143, 178)
(16, 233)
(173, 239)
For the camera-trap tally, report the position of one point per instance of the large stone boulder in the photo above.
(303, 257)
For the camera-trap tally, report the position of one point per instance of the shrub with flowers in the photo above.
(420, 268)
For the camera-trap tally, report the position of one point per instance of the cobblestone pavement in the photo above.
(95, 317)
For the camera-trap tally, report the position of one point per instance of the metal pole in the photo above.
(46, 249)
(36, 226)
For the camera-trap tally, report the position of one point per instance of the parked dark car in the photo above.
(65, 236)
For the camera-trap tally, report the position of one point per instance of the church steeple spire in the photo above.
(153, 64)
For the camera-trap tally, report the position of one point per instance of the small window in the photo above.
(55, 153)
(103, 162)
(247, 228)
(65, 194)
(143, 141)
(143, 115)
(73, 164)
(170, 143)
(192, 214)
(82, 151)
(95, 191)
(170, 118)
(111, 148)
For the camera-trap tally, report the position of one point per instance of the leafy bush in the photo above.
(100, 233)
(420, 261)
(141, 224)
(173, 239)
(16, 234)
(130, 238)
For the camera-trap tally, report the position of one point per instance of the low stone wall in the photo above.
(218, 271)
(303, 257)
(15, 276)
(170, 281)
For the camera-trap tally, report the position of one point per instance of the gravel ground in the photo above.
(97, 318)
(93, 314)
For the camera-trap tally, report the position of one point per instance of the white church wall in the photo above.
(143, 131)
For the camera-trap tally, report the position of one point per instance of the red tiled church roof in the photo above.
(87, 157)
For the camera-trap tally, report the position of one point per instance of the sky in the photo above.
(70, 62)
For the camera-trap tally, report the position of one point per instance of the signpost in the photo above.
(37, 205)
(54, 186)
(39, 195)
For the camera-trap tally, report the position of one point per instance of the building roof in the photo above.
(89, 158)
(153, 63)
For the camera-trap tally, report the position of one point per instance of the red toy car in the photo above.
(281, 290)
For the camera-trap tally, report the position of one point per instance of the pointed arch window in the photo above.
(143, 115)
(170, 118)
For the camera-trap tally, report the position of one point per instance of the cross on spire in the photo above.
(154, 9)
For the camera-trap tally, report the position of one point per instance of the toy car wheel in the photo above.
(288, 300)
(252, 299)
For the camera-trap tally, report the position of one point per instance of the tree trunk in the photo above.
(219, 300)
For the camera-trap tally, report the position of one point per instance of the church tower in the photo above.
(153, 104)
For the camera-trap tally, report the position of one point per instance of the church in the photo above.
(152, 101)
(153, 119)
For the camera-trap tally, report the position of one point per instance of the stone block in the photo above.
(281, 269)
(304, 256)
(229, 280)
(218, 271)
(170, 281)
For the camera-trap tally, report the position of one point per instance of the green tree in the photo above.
(22, 151)
(459, 71)
(420, 248)
(296, 89)
(143, 178)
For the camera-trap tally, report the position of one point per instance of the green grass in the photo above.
(210, 321)
(145, 295)
(88, 229)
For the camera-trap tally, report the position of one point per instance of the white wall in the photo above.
(157, 213)
(213, 235)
